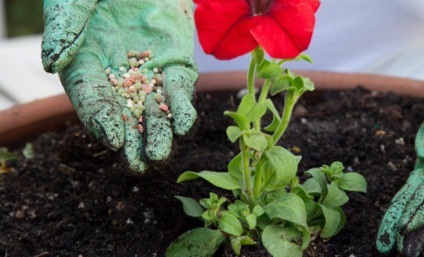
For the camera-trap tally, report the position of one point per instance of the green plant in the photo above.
(5, 156)
(271, 203)
(8, 156)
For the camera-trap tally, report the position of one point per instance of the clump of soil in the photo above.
(73, 199)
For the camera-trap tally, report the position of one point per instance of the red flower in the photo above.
(230, 28)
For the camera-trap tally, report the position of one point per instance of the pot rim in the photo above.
(21, 121)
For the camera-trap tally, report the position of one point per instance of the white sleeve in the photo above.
(415, 7)
(23, 78)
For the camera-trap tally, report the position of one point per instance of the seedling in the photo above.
(270, 203)
(6, 156)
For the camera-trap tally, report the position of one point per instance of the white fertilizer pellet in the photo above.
(135, 84)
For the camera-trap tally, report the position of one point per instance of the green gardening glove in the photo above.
(403, 222)
(82, 38)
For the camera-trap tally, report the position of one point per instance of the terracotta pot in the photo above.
(22, 121)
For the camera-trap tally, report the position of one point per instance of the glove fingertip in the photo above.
(159, 138)
(109, 130)
(159, 146)
(133, 148)
(385, 241)
(184, 113)
(386, 237)
(184, 122)
(138, 166)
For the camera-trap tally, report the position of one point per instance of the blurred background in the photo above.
(21, 17)
(22, 78)
(368, 36)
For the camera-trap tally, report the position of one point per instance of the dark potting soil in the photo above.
(74, 199)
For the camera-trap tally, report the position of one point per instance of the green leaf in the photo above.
(332, 221)
(342, 219)
(258, 210)
(235, 245)
(269, 70)
(300, 191)
(234, 167)
(334, 170)
(256, 112)
(353, 182)
(273, 125)
(289, 207)
(308, 84)
(258, 55)
(298, 82)
(263, 221)
(256, 140)
(251, 220)
(233, 133)
(270, 141)
(219, 179)
(278, 241)
(239, 119)
(28, 151)
(213, 202)
(305, 57)
(238, 241)
(199, 242)
(230, 224)
(312, 187)
(276, 119)
(281, 84)
(279, 168)
(238, 208)
(311, 206)
(5, 155)
(209, 202)
(289, 73)
(191, 207)
(209, 217)
(246, 104)
(335, 197)
(312, 209)
(245, 240)
(270, 106)
(302, 84)
(250, 109)
(320, 177)
(337, 167)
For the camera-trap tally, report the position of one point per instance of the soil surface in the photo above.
(74, 199)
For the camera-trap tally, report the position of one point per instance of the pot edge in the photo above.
(22, 121)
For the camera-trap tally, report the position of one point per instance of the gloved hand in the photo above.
(403, 222)
(84, 37)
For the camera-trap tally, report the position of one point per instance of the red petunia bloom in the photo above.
(230, 28)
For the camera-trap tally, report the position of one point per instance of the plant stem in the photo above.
(290, 101)
(257, 184)
(261, 100)
(264, 91)
(246, 171)
(251, 78)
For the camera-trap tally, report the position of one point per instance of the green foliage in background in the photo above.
(24, 17)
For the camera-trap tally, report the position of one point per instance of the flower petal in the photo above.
(273, 39)
(314, 4)
(223, 27)
(286, 30)
(237, 41)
